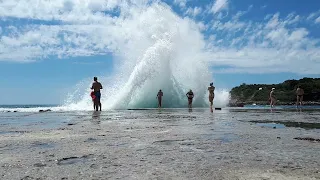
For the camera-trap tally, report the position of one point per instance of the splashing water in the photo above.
(158, 50)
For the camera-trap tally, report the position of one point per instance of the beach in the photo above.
(232, 143)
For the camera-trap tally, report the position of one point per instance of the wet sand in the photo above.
(167, 144)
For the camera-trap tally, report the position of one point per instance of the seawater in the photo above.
(62, 108)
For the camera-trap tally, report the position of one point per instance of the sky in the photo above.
(47, 47)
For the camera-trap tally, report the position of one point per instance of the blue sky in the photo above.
(46, 48)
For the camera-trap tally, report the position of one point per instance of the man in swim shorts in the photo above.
(190, 96)
(159, 96)
(300, 93)
(96, 86)
(272, 98)
(211, 89)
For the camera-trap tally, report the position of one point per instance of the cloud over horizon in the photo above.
(66, 28)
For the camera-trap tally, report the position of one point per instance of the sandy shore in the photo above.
(158, 145)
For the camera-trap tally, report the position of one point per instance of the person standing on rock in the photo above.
(159, 96)
(190, 96)
(211, 89)
(96, 87)
(300, 93)
(272, 98)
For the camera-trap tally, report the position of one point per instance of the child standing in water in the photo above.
(159, 96)
(211, 89)
(190, 96)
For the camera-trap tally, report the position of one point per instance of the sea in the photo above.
(61, 108)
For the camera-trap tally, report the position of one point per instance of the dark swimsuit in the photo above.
(190, 96)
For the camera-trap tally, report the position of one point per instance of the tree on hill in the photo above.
(285, 92)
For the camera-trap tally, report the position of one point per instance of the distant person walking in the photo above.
(211, 89)
(190, 96)
(159, 96)
(300, 93)
(96, 86)
(272, 98)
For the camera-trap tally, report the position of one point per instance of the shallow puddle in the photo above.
(271, 125)
(12, 132)
(283, 124)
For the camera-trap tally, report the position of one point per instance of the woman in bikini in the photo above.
(190, 96)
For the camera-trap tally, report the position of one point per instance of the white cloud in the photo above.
(313, 15)
(264, 47)
(181, 3)
(85, 28)
(219, 5)
(293, 19)
(273, 22)
(194, 11)
(317, 20)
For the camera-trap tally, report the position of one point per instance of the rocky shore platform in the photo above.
(167, 144)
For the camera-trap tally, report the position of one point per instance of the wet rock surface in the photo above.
(307, 139)
(167, 144)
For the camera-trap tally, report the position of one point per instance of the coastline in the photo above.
(234, 103)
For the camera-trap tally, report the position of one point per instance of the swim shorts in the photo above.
(97, 94)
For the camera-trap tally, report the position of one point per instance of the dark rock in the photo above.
(27, 178)
(90, 140)
(70, 124)
(60, 161)
(274, 127)
(278, 137)
(307, 139)
(15, 111)
(73, 159)
(47, 110)
(39, 165)
(93, 166)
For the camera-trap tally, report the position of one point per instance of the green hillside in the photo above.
(285, 92)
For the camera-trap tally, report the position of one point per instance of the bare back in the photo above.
(300, 91)
(96, 86)
(272, 95)
(160, 94)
